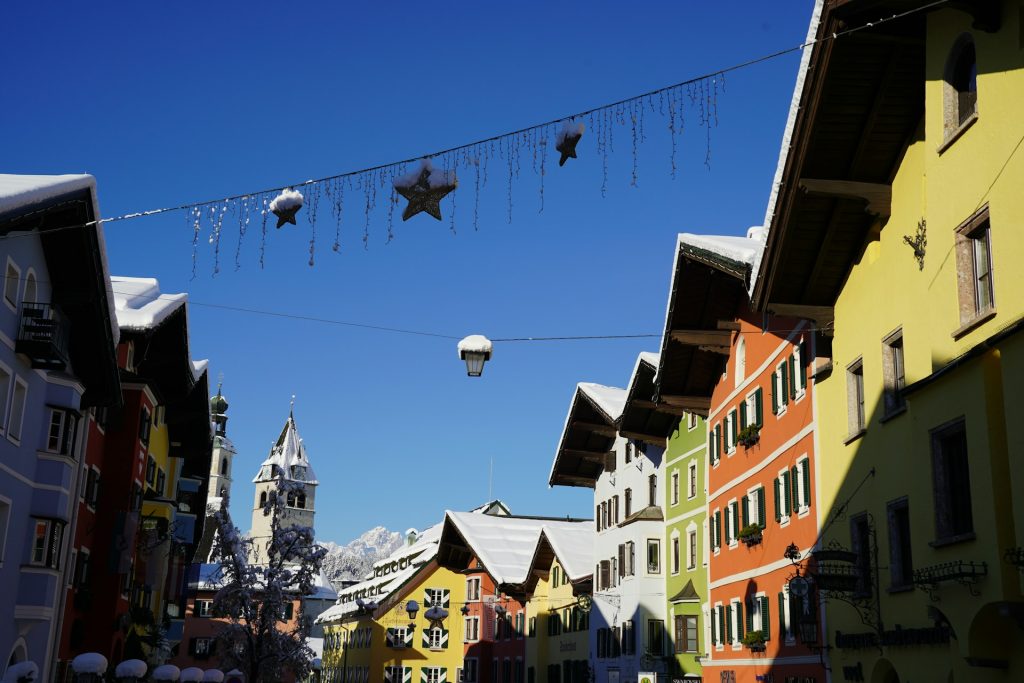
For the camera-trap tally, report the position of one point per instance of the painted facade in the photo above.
(686, 585)
(56, 364)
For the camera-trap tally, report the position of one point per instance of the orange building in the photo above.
(751, 374)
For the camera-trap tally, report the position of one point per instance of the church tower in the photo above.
(223, 449)
(288, 459)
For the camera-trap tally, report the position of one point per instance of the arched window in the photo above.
(263, 499)
(301, 502)
(291, 499)
(960, 90)
(224, 466)
(31, 295)
(741, 361)
(223, 491)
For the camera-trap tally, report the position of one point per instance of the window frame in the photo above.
(15, 435)
(894, 372)
(950, 531)
(856, 407)
(675, 487)
(692, 487)
(653, 569)
(972, 311)
(473, 589)
(8, 280)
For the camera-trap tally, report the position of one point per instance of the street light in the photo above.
(476, 350)
(412, 607)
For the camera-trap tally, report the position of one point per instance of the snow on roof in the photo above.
(787, 135)
(609, 400)
(198, 368)
(738, 250)
(317, 646)
(288, 452)
(139, 305)
(323, 588)
(490, 505)
(504, 545)
(24, 191)
(22, 671)
(574, 548)
(89, 663)
(650, 357)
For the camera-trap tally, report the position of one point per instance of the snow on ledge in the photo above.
(89, 663)
(139, 305)
(18, 191)
(167, 672)
(192, 674)
(131, 667)
(22, 671)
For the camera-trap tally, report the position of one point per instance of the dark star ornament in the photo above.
(286, 205)
(425, 196)
(565, 144)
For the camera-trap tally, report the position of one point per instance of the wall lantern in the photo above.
(412, 607)
(476, 350)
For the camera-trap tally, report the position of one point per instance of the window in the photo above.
(11, 283)
(203, 608)
(136, 501)
(751, 411)
(555, 575)
(960, 87)
(435, 597)
(974, 268)
(691, 421)
(757, 616)
(18, 399)
(801, 476)
(686, 633)
(615, 508)
(675, 554)
(629, 451)
(436, 639)
(753, 507)
(145, 423)
(780, 388)
(161, 482)
(5, 392)
(80, 579)
(92, 487)
(675, 487)
(46, 543)
(150, 470)
(785, 620)
(652, 490)
(533, 627)
(730, 432)
(901, 564)
(731, 523)
(783, 496)
(629, 502)
(734, 622)
(860, 544)
(691, 487)
(797, 373)
(470, 670)
(952, 482)
(691, 556)
(520, 617)
(855, 397)
(656, 637)
(716, 530)
(5, 518)
(653, 556)
(472, 629)
(628, 646)
(893, 373)
(61, 433)
(473, 589)
(202, 647)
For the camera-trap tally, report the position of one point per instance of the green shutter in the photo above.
(711, 445)
(784, 368)
(443, 678)
(735, 520)
(786, 494)
(766, 623)
(739, 621)
(426, 637)
(446, 599)
(728, 623)
(759, 407)
(761, 515)
(743, 415)
(721, 624)
(782, 614)
(746, 510)
(732, 426)
(778, 501)
(792, 376)
(806, 467)
(714, 630)
(775, 399)
(750, 618)
(796, 487)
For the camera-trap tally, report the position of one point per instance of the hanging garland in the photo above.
(425, 181)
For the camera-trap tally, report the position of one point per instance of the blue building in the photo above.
(57, 341)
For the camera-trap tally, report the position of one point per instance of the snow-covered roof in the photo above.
(574, 548)
(289, 452)
(787, 135)
(738, 251)
(609, 400)
(25, 191)
(323, 590)
(504, 545)
(139, 305)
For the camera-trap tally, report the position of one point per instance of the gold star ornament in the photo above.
(424, 188)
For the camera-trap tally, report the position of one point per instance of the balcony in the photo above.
(43, 336)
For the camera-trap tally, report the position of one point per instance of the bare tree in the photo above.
(255, 597)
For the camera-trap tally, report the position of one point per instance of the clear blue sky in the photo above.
(173, 103)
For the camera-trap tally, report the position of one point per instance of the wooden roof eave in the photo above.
(581, 427)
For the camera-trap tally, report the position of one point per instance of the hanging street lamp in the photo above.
(476, 350)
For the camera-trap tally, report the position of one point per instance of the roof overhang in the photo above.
(860, 103)
(585, 447)
(643, 418)
(543, 555)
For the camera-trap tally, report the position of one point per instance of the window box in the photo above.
(751, 534)
(754, 641)
(749, 436)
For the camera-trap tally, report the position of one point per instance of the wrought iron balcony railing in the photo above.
(43, 336)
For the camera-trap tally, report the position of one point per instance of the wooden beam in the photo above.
(723, 350)
(823, 317)
(692, 403)
(647, 438)
(592, 456)
(877, 195)
(729, 325)
(702, 337)
(572, 480)
(660, 407)
(595, 427)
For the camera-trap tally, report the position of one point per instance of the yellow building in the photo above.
(558, 610)
(896, 225)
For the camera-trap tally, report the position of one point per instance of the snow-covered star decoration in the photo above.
(568, 136)
(286, 205)
(425, 187)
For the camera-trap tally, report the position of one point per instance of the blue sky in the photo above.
(174, 103)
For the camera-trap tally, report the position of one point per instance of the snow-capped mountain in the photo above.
(351, 562)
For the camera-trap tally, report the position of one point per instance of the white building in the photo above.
(627, 621)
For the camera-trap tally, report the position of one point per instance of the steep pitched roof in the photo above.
(287, 453)
(588, 433)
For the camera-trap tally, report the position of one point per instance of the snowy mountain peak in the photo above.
(354, 560)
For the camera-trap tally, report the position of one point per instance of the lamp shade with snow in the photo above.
(412, 607)
(88, 667)
(476, 350)
(130, 671)
(167, 672)
(213, 676)
(192, 674)
(22, 672)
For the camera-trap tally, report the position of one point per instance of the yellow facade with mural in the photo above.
(387, 645)
(917, 423)
(558, 627)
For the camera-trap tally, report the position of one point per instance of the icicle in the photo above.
(543, 167)
(195, 217)
(392, 202)
(672, 129)
(314, 201)
(636, 152)
(339, 208)
(508, 159)
(476, 190)
(263, 235)
(243, 225)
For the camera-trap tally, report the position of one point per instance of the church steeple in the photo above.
(289, 460)
(223, 449)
